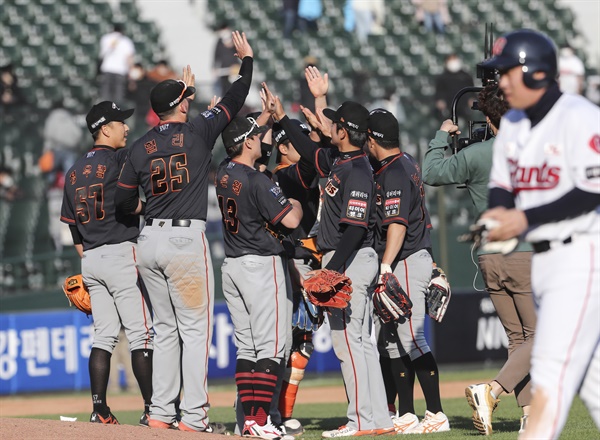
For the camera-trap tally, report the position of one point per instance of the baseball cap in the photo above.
(351, 115)
(383, 126)
(169, 94)
(103, 113)
(279, 134)
(239, 129)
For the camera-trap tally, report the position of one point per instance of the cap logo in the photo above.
(279, 136)
(353, 125)
(376, 133)
(499, 46)
(98, 122)
(114, 106)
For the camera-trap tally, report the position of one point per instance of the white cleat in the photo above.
(483, 403)
(431, 423)
(405, 423)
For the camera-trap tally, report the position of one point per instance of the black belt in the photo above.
(180, 223)
(544, 246)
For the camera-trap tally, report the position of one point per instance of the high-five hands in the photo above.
(189, 79)
(272, 103)
(318, 84)
(242, 47)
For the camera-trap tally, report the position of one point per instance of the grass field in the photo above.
(320, 417)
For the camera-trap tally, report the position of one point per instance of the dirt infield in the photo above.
(53, 429)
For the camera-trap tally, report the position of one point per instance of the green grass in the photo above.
(319, 417)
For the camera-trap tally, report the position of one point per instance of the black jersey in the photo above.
(290, 180)
(348, 196)
(249, 200)
(171, 163)
(401, 199)
(89, 199)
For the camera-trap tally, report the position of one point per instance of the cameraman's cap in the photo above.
(103, 113)
(383, 126)
(240, 129)
(169, 94)
(279, 134)
(351, 115)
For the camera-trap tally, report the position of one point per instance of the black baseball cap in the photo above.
(383, 126)
(169, 94)
(279, 134)
(103, 113)
(239, 129)
(351, 115)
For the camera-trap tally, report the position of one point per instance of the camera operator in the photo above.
(506, 277)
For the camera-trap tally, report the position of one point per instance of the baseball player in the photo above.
(298, 180)
(254, 281)
(404, 248)
(171, 163)
(105, 240)
(346, 237)
(507, 277)
(544, 187)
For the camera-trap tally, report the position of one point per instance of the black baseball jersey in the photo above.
(249, 200)
(171, 162)
(290, 180)
(89, 199)
(401, 199)
(348, 196)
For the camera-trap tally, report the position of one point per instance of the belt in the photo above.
(180, 223)
(546, 245)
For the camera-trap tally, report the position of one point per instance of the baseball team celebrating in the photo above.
(344, 198)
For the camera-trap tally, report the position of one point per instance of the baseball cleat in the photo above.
(345, 431)
(157, 424)
(405, 423)
(384, 431)
(480, 399)
(293, 427)
(431, 423)
(212, 428)
(268, 431)
(144, 419)
(110, 419)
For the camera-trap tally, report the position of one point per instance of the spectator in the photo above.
(139, 88)
(116, 55)
(570, 71)
(62, 137)
(161, 72)
(369, 17)
(447, 84)
(309, 12)
(8, 189)
(433, 14)
(290, 17)
(224, 61)
(10, 94)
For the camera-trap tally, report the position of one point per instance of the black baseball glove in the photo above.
(390, 302)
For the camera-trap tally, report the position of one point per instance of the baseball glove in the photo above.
(328, 288)
(438, 294)
(306, 316)
(77, 293)
(390, 301)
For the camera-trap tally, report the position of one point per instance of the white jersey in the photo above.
(539, 165)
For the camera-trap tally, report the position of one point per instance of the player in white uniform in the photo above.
(545, 187)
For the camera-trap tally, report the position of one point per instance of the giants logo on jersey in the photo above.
(533, 178)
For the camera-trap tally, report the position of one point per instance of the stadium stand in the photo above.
(53, 46)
